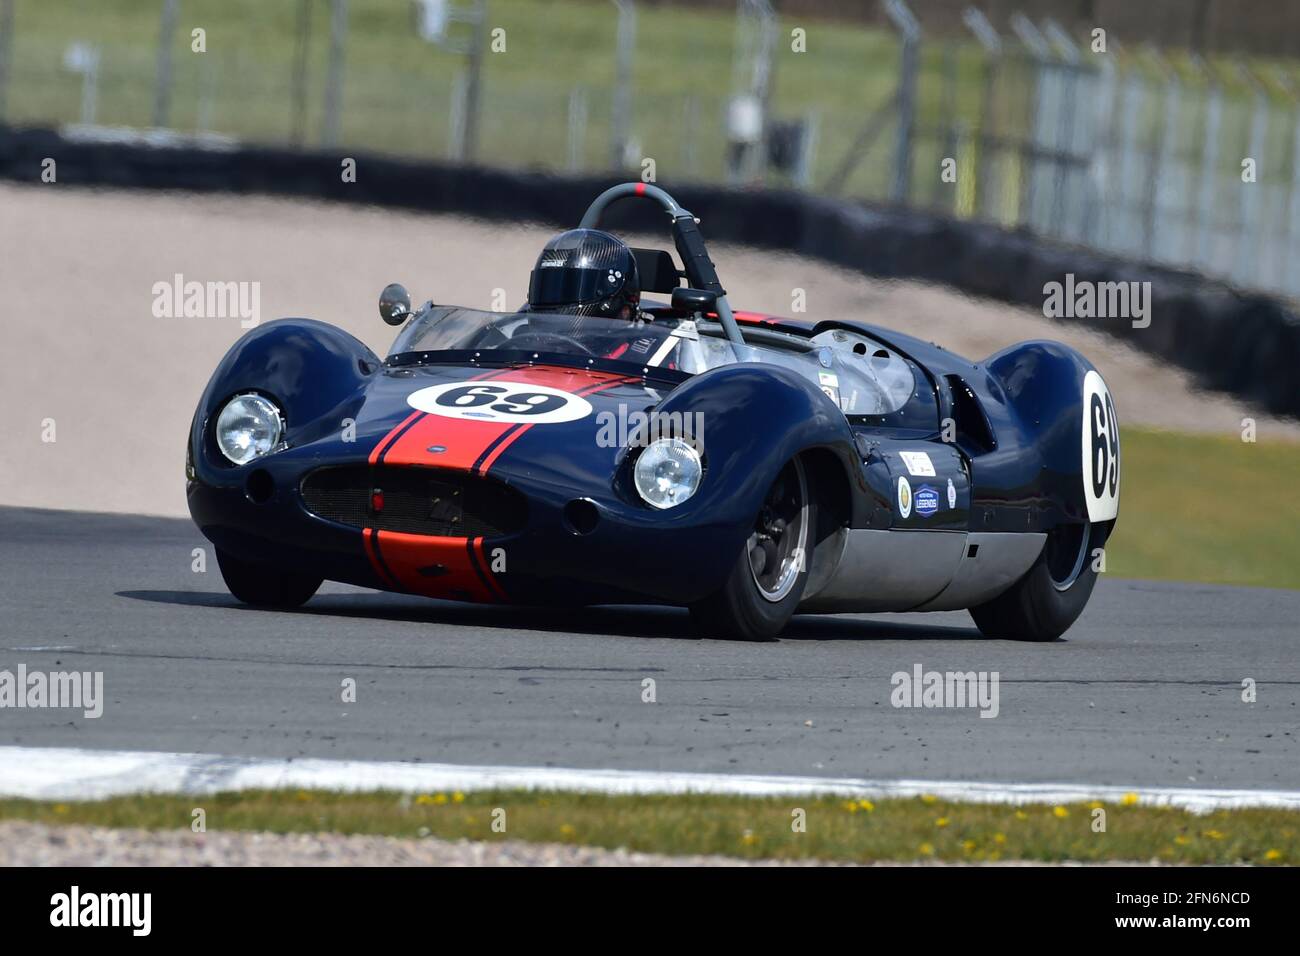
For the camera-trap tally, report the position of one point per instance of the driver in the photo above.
(592, 276)
(585, 272)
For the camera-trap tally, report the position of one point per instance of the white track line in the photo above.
(74, 774)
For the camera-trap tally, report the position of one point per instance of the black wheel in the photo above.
(264, 586)
(1043, 604)
(766, 583)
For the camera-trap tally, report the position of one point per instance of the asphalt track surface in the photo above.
(1144, 690)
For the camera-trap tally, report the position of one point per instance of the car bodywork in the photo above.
(937, 497)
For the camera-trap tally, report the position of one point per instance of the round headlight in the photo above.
(248, 427)
(667, 472)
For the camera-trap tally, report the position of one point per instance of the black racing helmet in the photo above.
(585, 272)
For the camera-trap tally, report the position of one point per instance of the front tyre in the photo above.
(264, 586)
(1043, 604)
(766, 583)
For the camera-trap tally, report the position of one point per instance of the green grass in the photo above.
(1207, 508)
(916, 829)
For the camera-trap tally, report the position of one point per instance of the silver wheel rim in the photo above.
(780, 538)
(1080, 559)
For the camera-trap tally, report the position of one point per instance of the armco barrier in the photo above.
(1237, 342)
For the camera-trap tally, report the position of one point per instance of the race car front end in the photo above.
(419, 494)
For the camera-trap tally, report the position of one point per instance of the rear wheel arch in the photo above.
(832, 491)
(830, 486)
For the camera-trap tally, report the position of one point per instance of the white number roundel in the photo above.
(1100, 444)
(501, 402)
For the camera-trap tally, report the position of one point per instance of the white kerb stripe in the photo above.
(70, 774)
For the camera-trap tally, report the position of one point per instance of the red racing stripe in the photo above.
(482, 562)
(377, 453)
(432, 566)
(376, 559)
(458, 568)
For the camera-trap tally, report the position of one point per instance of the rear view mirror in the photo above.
(694, 300)
(394, 304)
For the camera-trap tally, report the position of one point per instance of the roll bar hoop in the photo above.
(700, 271)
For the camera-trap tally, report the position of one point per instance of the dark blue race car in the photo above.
(597, 448)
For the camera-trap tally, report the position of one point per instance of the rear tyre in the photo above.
(264, 586)
(1043, 604)
(766, 583)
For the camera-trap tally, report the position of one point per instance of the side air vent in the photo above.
(973, 427)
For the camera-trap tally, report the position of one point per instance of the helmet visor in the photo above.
(569, 286)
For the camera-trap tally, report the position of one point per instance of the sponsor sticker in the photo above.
(918, 463)
(830, 384)
(904, 497)
(952, 494)
(927, 501)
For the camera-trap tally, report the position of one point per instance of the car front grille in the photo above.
(428, 501)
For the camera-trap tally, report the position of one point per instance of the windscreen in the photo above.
(874, 382)
(641, 341)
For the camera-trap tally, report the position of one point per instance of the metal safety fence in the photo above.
(1153, 155)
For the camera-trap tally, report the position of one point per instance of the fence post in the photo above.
(298, 82)
(620, 122)
(1209, 163)
(162, 91)
(749, 108)
(906, 24)
(1291, 277)
(803, 177)
(456, 118)
(988, 38)
(207, 95)
(83, 58)
(690, 120)
(1105, 112)
(1161, 154)
(1273, 269)
(474, 84)
(1246, 267)
(1134, 92)
(1288, 280)
(1040, 109)
(1065, 73)
(948, 107)
(1066, 156)
(6, 50)
(577, 128)
(334, 78)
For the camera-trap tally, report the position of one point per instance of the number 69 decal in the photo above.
(500, 402)
(1100, 442)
